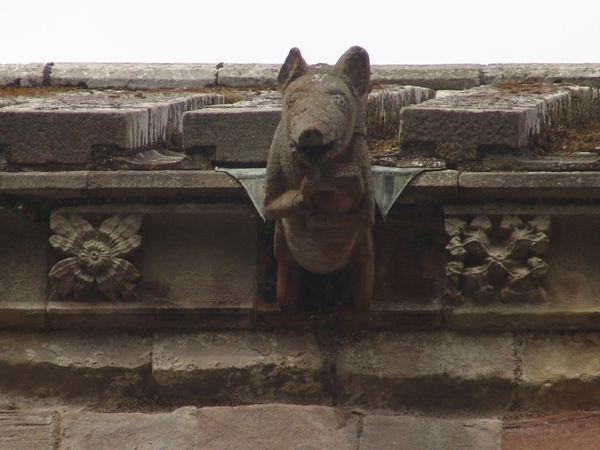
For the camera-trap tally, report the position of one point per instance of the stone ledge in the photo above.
(240, 367)
(427, 370)
(87, 367)
(525, 185)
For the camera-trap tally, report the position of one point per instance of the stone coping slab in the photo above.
(63, 127)
(470, 124)
(146, 76)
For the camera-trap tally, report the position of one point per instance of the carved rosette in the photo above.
(496, 259)
(95, 259)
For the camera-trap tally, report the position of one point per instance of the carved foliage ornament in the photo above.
(95, 257)
(496, 259)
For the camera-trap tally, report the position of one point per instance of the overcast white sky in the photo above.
(263, 31)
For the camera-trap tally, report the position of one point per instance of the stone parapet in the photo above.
(160, 76)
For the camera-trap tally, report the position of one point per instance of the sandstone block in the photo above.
(457, 127)
(92, 431)
(561, 372)
(132, 75)
(428, 433)
(571, 431)
(275, 427)
(24, 260)
(240, 135)
(26, 431)
(426, 370)
(90, 367)
(240, 367)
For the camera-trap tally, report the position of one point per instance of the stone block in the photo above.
(571, 431)
(26, 431)
(579, 74)
(88, 367)
(24, 260)
(426, 370)
(94, 431)
(193, 259)
(21, 75)
(466, 125)
(425, 433)
(240, 135)
(240, 367)
(62, 127)
(275, 427)
(432, 76)
(132, 75)
(560, 372)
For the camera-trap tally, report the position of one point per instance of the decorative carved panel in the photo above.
(496, 258)
(95, 260)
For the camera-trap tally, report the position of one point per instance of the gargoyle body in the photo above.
(318, 186)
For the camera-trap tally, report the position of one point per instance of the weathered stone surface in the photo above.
(241, 135)
(275, 427)
(90, 367)
(164, 183)
(24, 262)
(524, 185)
(427, 433)
(433, 76)
(163, 431)
(133, 76)
(193, 259)
(62, 127)
(248, 75)
(426, 370)
(581, 74)
(572, 431)
(458, 126)
(26, 431)
(25, 75)
(240, 367)
(561, 372)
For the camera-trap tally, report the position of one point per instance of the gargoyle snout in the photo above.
(311, 137)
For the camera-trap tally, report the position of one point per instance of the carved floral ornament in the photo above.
(496, 259)
(95, 259)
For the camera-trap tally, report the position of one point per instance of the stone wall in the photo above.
(486, 308)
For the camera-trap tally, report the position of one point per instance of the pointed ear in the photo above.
(355, 66)
(293, 67)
